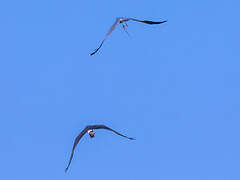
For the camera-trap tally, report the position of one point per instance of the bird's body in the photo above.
(89, 130)
(91, 133)
(122, 20)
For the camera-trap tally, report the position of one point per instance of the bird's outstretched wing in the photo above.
(77, 139)
(147, 22)
(96, 50)
(105, 127)
(106, 36)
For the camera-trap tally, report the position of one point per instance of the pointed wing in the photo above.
(105, 127)
(147, 22)
(112, 28)
(108, 33)
(77, 139)
(96, 50)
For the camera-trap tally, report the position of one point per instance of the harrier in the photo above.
(122, 20)
(89, 130)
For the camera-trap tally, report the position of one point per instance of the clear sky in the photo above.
(175, 87)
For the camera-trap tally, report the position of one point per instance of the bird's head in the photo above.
(91, 133)
(121, 20)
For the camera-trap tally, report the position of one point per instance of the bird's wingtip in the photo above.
(94, 52)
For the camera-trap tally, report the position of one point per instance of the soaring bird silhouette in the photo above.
(89, 130)
(122, 20)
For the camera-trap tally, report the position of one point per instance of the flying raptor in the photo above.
(122, 20)
(89, 130)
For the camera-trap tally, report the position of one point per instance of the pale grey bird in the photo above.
(122, 20)
(89, 130)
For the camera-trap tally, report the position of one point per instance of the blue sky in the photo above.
(174, 87)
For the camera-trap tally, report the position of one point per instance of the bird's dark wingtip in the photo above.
(94, 52)
(161, 22)
(132, 138)
(66, 170)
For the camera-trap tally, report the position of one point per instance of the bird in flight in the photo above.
(89, 130)
(122, 20)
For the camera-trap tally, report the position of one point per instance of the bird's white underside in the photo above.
(90, 131)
